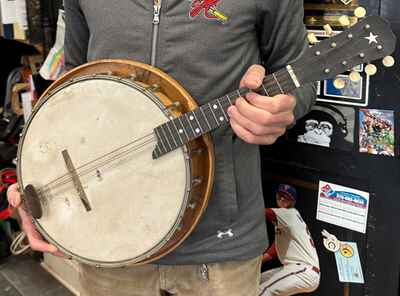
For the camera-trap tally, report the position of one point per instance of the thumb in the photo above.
(13, 196)
(253, 77)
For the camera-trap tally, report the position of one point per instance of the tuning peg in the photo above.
(360, 12)
(344, 21)
(339, 83)
(355, 76)
(312, 38)
(328, 30)
(370, 69)
(388, 61)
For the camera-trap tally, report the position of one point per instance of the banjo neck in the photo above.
(208, 117)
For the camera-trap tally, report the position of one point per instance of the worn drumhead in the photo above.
(136, 202)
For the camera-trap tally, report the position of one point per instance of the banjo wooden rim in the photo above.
(191, 105)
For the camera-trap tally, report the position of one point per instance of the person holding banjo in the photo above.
(211, 48)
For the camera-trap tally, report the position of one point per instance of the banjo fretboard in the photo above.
(191, 125)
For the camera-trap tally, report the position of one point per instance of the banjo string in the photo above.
(117, 153)
(68, 179)
(145, 140)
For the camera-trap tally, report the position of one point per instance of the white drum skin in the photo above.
(136, 202)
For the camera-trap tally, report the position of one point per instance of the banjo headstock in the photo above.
(366, 41)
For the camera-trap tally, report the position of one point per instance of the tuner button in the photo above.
(388, 61)
(339, 83)
(367, 27)
(370, 69)
(344, 63)
(350, 36)
(318, 53)
(379, 47)
(355, 76)
(344, 21)
(327, 70)
(312, 38)
(360, 12)
(333, 44)
(362, 55)
(328, 30)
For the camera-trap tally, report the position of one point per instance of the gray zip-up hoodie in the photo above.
(208, 58)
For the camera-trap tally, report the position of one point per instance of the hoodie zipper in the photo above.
(156, 22)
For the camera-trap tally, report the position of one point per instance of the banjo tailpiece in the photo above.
(32, 201)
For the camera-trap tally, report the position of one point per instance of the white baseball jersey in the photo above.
(293, 239)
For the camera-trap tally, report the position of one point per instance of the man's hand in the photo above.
(35, 239)
(260, 119)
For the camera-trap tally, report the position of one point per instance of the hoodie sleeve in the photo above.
(283, 39)
(76, 35)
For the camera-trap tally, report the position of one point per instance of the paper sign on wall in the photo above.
(343, 206)
(349, 264)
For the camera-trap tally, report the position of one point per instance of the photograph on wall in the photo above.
(351, 90)
(327, 126)
(377, 132)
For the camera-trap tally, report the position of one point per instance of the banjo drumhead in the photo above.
(136, 202)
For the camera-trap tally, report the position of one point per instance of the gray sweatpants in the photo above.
(238, 278)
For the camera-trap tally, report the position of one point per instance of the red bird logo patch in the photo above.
(209, 8)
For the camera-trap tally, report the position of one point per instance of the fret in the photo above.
(239, 94)
(199, 125)
(279, 85)
(209, 114)
(156, 130)
(178, 130)
(166, 137)
(182, 127)
(202, 119)
(212, 112)
(229, 99)
(223, 111)
(190, 125)
(173, 135)
(156, 152)
(265, 90)
(225, 102)
(205, 116)
(219, 113)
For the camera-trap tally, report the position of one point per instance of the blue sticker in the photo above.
(349, 264)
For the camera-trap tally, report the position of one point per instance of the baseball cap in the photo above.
(288, 190)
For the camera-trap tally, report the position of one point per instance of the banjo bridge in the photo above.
(75, 179)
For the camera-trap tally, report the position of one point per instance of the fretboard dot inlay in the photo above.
(215, 106)
(197, 130)
(221, 118)
(191, 117)
(181, 131)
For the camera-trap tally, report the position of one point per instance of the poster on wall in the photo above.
(327, 126)
(343, 206)
(377, 132)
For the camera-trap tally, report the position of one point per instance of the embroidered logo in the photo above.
(222, 234)
(209, 8)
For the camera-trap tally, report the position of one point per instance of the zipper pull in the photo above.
(204, 272)
(156, 12)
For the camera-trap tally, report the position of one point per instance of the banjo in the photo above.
(137, 124)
